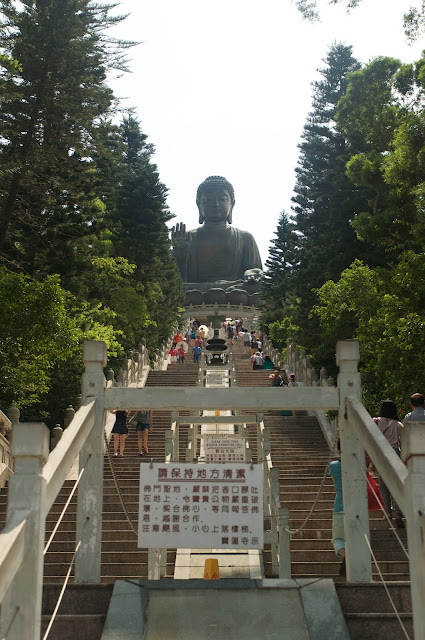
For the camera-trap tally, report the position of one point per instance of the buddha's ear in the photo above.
(230, 216)
(201, 217)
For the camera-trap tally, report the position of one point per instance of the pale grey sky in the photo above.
(224, 88)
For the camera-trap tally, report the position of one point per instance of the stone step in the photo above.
(368, 611)
(388, 568)
(90, 601)
(70, 627)
(298, 450)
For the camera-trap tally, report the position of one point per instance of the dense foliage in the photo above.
(84, 246)
(358, 225)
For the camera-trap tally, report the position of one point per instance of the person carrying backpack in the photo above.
(257, 362)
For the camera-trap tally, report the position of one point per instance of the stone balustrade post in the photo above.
(169, 444)
(55, 435)
(69, 416)
(299, 372)
(356, 518)
(5, 424)
(288, 353)
(274, 518)
(413, 454)
(90, 490)
(308, 381)
(137, 366)
(21, 606)
(13, 414)
(303, 359)
(130, 366)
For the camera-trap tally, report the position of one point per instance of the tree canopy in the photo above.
(83, 236)
(359, 227)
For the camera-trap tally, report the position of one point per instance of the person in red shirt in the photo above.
(177, 338)
(180, 354)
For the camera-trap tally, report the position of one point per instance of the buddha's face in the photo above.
(215, 204)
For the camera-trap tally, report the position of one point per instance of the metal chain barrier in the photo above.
(386, 588)
(65, 507)
(118, 488)
(325, 475)
(383, 511)
(61, 594)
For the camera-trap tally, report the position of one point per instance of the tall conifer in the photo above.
(50, 110)
(325, 199)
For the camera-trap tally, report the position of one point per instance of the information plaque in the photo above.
(224, 448)
(194, 506)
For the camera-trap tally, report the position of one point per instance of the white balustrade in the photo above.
(33, 487)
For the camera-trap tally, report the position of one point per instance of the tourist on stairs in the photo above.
(120, 431)
(391, 428)
(143, 427)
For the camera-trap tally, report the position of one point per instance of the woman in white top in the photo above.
(390, 426)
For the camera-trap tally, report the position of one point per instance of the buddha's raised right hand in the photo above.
(179, 232)
(180, 241)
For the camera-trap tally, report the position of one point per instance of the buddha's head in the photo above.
(215, 199)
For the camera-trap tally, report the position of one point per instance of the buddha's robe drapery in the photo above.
(219, 256)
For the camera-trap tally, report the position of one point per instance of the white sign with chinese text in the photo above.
(224, 448)
(216, 379)
(203, 506)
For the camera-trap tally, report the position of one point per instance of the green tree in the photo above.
(50, 111)
(279, 269)
(384, 310)
(378, 100)
(139, 221)
(41, 333)
(326, 200)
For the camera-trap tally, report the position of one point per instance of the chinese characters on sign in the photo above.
(204, 506)
(224, 449)
(216, 379)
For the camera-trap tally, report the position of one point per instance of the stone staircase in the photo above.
(300, 452)
(299, 449)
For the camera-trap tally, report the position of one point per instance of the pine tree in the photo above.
(280, 267)
(325, 199)
(50, 112)
(141, 234)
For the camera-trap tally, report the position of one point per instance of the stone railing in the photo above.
(38, 478)
(299, 363)
(6, 461)
(137, 364)
(134, 371)
(274, 354)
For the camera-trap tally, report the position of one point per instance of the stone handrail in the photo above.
(33, 488)
(299, 363)
(22, 540)
(278, 516)
(6, 461)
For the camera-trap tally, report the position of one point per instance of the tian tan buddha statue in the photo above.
(216, 256)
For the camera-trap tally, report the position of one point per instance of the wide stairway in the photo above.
(301, 453)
